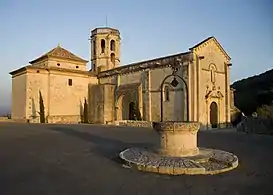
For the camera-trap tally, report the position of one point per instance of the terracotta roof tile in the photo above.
(59, 52)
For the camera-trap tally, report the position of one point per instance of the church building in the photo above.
(57, 87)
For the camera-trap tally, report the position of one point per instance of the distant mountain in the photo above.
(254, 91)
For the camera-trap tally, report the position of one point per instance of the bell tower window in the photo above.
(113, 58)
(102, 44)
(112, 45)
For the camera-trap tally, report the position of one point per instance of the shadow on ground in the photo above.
(82, 159)
(105, 147)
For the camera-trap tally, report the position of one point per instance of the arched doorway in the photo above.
(213, 115)
(132, 111)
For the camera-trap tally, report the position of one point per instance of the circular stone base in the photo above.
(208, 161)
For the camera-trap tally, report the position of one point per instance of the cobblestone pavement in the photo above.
(37, 159)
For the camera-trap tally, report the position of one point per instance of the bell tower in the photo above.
(105, 49)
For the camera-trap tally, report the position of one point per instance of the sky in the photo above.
(149, 29)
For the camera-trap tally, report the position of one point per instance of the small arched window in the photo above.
(112, 45)
(212, 68)
(167, 93)
(102, 44)
(113, 58)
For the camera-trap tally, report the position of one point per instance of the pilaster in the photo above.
(195, 94)
(197, 65)
(149, 96)
(190, 96)
(227, 94)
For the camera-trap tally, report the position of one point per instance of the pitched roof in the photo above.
(207, 39)
(200, 43)
(59, 52)
(148, 64)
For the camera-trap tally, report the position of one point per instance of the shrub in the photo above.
(265, 111)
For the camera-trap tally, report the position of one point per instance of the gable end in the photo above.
(199, 45)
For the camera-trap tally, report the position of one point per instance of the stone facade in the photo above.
(60, 90)
(101, 103)
(105, 49)
(123, 93)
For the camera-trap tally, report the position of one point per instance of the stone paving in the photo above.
(83, 160)
(210, 161)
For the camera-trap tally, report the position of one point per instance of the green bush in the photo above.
(265, 111)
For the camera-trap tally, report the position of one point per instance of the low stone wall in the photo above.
(131, 123)
(34, 119)
(255, 125)
(64, 119)
(220, 126)
(4, 119)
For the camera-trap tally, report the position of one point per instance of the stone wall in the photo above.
(67, 64)
(37, 87)
(65, 119)
(95, 103)
(101, 103)
(146, 96)
(62, 100)
(109, 103)
(58, 119)
(67, 99)
(175, 107)
(131, 123)
(4, 119)
(19, 96)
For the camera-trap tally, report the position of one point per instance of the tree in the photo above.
(85, 111)
(42, 108)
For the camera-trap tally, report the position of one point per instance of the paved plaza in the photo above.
(38, 159)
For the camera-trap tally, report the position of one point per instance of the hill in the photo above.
(253, 92)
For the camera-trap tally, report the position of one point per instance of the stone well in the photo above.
(177, 153)
(177, 138)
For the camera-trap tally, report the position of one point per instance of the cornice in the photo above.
(53, 69)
